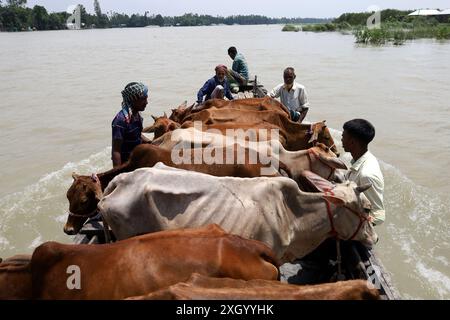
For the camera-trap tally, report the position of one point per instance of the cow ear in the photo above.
(335, 163)
(75, 176)
(363, 187)
(334, 200)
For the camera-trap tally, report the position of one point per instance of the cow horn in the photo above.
(363, 187)
(165, 115)
(75, 176)
(184, 104)
(154, 118)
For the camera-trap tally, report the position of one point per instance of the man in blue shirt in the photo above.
(239, 63)
(215, 88)
(127, 124)
(238, 75)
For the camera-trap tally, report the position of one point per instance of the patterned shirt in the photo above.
(129, 133)
(240, 65)
(367, 170)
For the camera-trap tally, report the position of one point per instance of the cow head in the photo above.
(349, 209)
(327, 164)
(84, 194)
(320, 133)
(161, 126)
(179, 113)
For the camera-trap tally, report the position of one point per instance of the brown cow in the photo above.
(253, 104)
(199, 287)
(147, 263)
(249, 131)
(161, 126)
(216, 116)
(293, 136)
(319, 159)
(15, 278)
(86, 191)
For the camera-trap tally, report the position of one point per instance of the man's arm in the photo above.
(203, 91)
(115, 153)
(304, 104)
(375, 196)
(303, 99)
(303, 114)
(275, 93)
(118, 132)
(228, 92)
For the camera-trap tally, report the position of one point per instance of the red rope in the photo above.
(311, 153)
(333, 231)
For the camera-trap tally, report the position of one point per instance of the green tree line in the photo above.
(15, 16)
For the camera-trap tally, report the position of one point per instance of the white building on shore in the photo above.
(430, 12)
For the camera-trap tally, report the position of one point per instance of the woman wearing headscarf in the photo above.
(127, 124)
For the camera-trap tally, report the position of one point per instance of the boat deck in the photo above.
(358, 262)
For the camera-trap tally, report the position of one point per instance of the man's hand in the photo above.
(303, 114)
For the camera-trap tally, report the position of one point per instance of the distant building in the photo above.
(430, 12)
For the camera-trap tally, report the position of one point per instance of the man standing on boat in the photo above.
(127, 124)
(215, 88)
(357, 135)
(292, 95)
(238, 75)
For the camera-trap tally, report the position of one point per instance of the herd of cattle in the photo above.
(196, 230)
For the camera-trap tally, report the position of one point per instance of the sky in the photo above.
(270, 8)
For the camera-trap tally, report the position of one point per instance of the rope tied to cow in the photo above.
(312, 153)
(91, 214)
(333, 232)
(94, 212)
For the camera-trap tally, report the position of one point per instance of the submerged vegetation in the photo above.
(291, 27)
(396, 27)
(397, 35)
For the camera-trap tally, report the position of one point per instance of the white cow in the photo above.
(272, 210)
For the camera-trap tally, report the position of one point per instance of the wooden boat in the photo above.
(251, 90)
(355, 260)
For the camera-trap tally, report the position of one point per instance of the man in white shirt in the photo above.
(357, 135)
(292, 95)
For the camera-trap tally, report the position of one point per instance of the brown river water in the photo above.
(60, 90)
